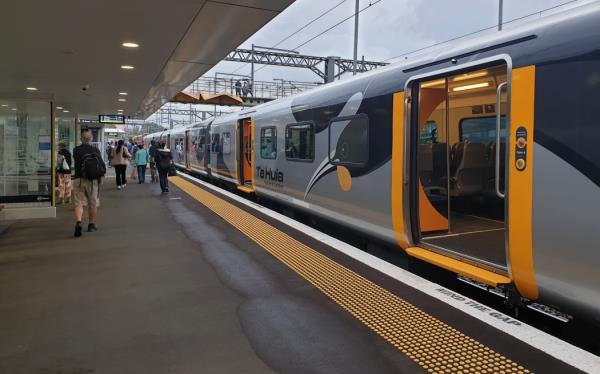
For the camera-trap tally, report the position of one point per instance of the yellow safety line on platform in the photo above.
(432, 344)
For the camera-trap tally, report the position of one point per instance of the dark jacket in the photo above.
(67, 155)
(152, 152)
(79, 153)
(163, 155)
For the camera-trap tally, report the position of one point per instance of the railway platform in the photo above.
(201, 281)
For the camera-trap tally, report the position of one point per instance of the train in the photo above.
(480, 157)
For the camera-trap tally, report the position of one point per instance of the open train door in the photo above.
(467, 170)
(246, 155)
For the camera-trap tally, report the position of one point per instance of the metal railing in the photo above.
(278, 88)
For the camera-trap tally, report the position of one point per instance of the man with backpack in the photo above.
(89, 169)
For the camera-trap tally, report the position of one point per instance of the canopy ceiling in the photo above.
(60, 47)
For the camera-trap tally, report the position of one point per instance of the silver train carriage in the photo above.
(481, 158)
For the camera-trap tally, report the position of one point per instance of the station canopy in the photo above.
(206, 98)
(72, 52)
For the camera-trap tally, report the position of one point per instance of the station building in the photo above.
(73, 62)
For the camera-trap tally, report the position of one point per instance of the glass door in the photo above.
(246, 141)
(460, 163)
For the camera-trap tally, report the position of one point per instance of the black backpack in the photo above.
(164, 161)
(92, 167)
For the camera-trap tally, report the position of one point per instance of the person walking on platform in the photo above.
(64, 162)
(89, 170)
(108, 151)
(141, 160)
(134, 149)
(120, 159)
(152, 154)
(163, 160)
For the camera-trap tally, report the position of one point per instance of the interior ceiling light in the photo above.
(464, 77)
(119, 110)
(4, 105)
(130, 45)
(123, 93)
(31, 89)
(59, 107)
(122, 100)
(127, 67)
(433, 83)
(65, 111)
(14, 109)
(471, 86)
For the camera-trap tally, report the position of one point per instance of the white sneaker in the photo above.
(119, 187)
(125, 185)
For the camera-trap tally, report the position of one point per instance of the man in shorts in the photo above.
(85, 191)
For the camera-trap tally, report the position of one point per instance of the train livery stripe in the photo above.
(398, 170)
(520, 180)
(429, 342)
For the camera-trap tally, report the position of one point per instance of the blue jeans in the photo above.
(141, 169)
(162, 177)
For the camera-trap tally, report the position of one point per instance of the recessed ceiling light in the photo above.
(119, 110)
(31, 89)
(65, 111)
(122, 99)
(123, 93)
(127, 67)
(130, 45)
(59, 107)
(14, 109)
(471, 86)
(4, 105)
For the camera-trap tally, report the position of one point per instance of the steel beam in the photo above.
(317, 64)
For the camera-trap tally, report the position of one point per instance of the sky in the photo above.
(387, 28)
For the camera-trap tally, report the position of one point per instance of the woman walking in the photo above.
(141, 160)
(120, 159)
(64, 162)
(163, 161)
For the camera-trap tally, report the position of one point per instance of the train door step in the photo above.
(461, 268)
(246, 189)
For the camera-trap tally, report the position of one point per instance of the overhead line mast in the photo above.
(356, 37)
(276, 58)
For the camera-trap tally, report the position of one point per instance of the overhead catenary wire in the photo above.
(477, 31)
(331, 28)
(337, 24)
(298, 30)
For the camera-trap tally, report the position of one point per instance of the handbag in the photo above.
(61, 163)
(65, 165)
(172, 170)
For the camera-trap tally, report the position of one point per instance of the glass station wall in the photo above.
(66, 131)
(25, 153)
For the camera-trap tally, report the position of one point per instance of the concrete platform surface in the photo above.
(135, 297)
(188, 282)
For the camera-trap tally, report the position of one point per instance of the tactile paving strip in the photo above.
(432, 344)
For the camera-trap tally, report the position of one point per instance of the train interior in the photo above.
(460, 209)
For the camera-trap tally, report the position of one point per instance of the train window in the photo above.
(349, 140)
(268, 142)
(429, 134)
(226, 138)
(300, 142)
(215, 143)
(481, 130)
(201, 142)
